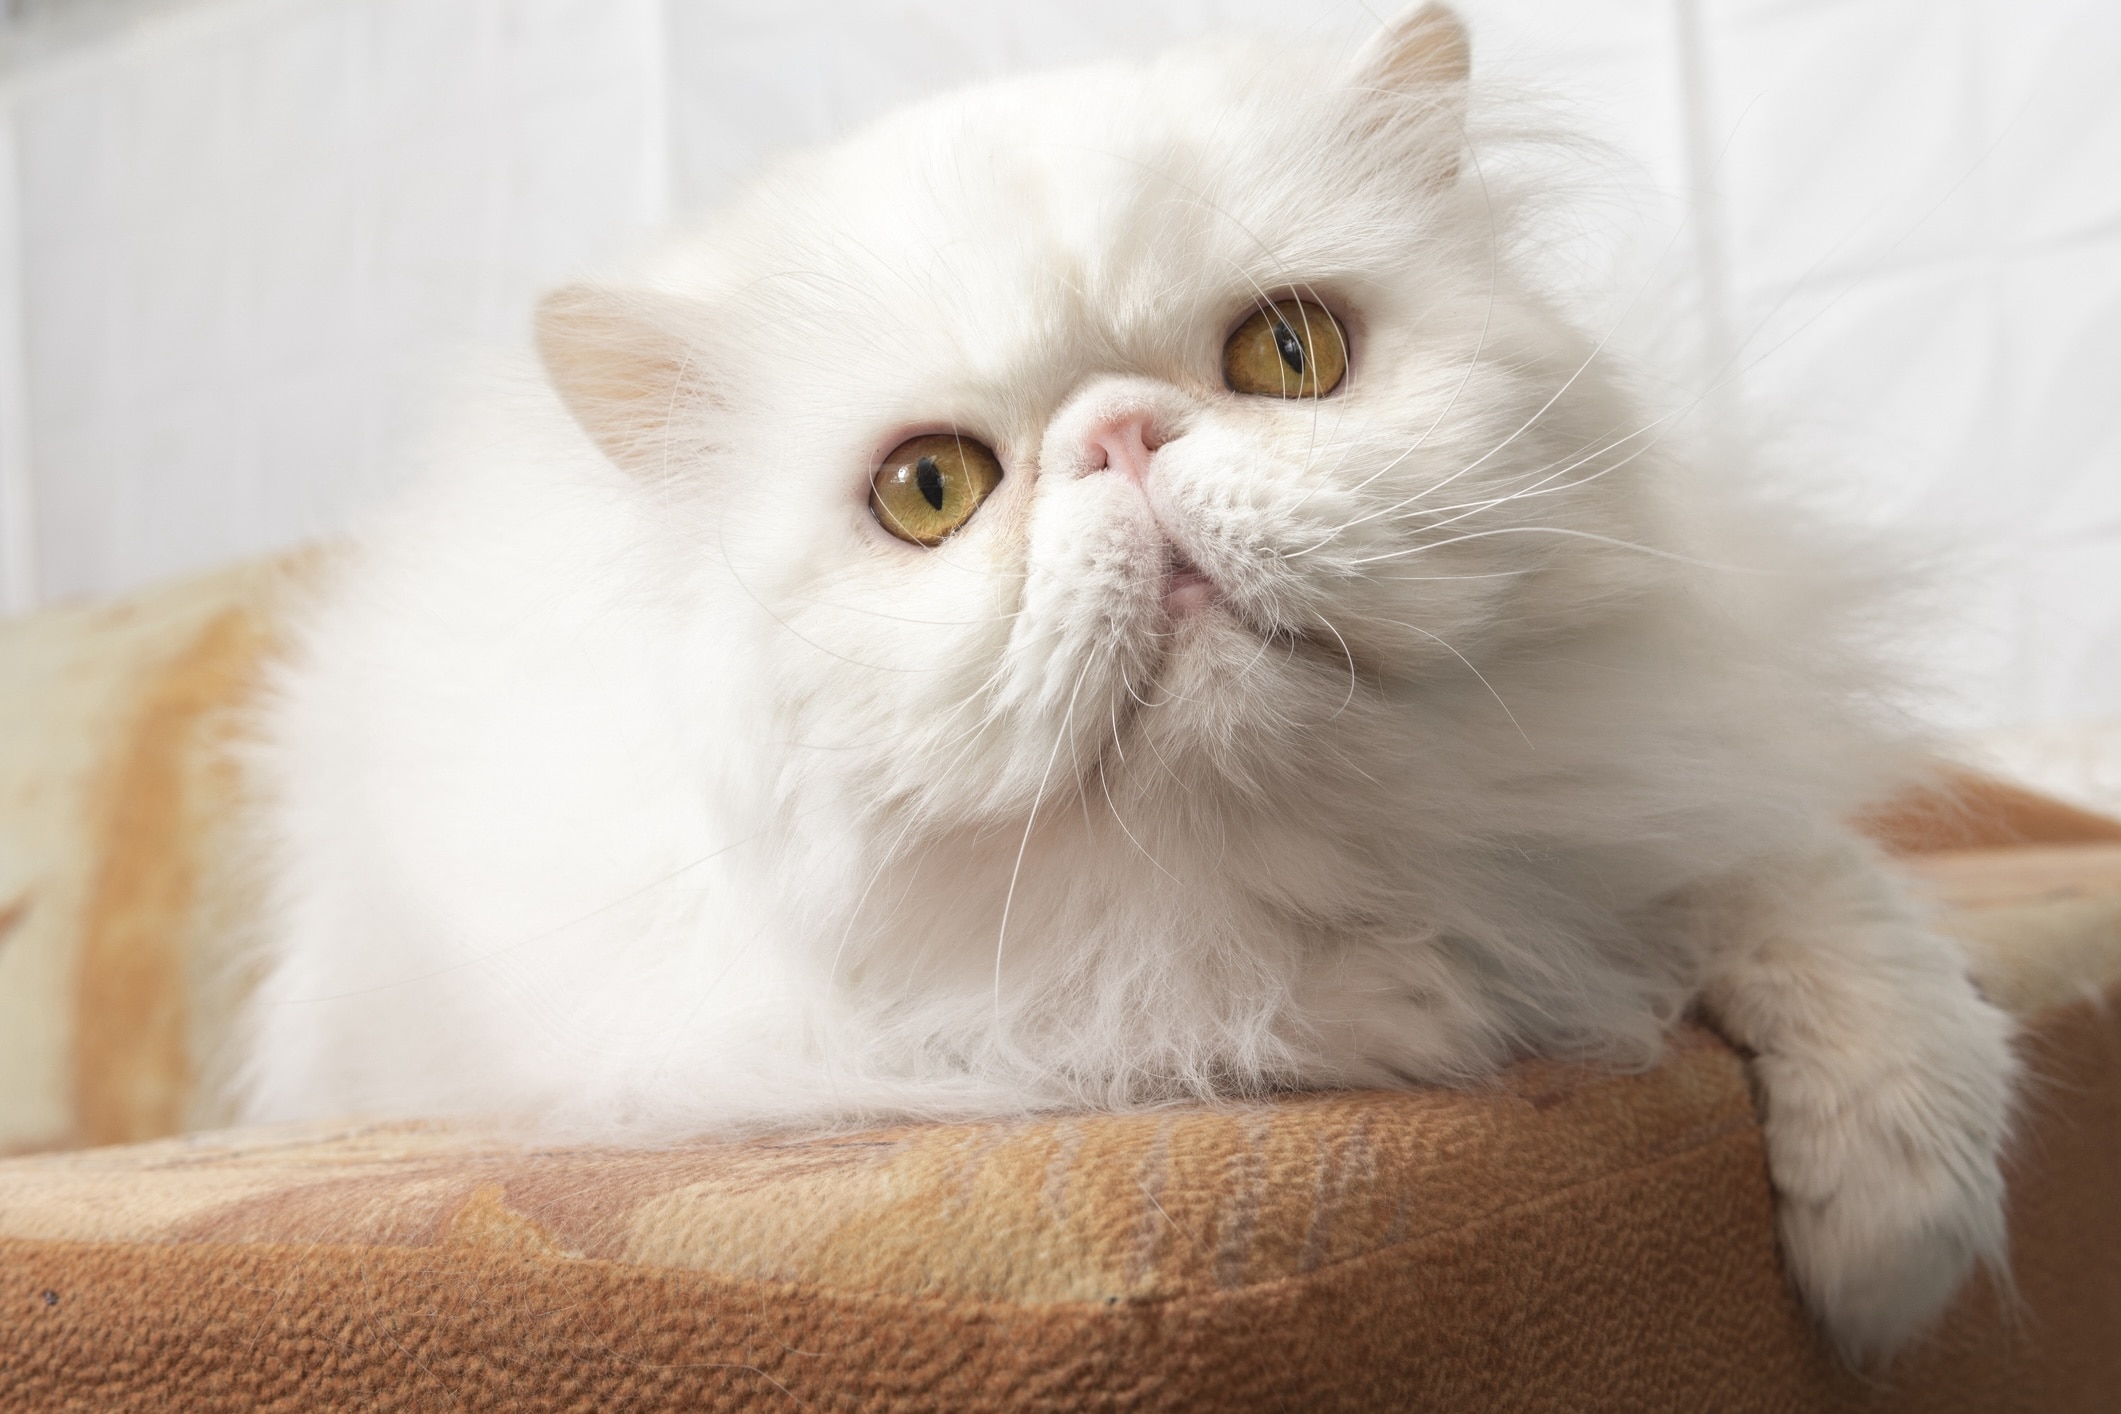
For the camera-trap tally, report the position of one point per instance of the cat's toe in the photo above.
(1877, 1270)
(1890, 1194)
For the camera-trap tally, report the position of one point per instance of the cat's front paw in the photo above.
(1890, 1184)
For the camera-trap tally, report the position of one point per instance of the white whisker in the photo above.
(1030, 821)
(1476, 672)
(1562, 531)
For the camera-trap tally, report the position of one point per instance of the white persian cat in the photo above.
(1101, 590)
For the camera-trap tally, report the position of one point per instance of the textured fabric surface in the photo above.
(1565, 1241)
(1142, 1207)
(1565, 1238)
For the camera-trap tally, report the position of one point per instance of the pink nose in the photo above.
(1123, 444)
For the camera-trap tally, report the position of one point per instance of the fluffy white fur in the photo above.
(631, 780)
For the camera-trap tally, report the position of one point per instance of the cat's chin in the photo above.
(1187, 591)
(1215, 658)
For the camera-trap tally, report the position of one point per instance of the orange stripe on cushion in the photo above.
(131, 1058)
(1965, 810)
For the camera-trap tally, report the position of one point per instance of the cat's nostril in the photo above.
(1123, 444)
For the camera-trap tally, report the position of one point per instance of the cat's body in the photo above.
(635, 781)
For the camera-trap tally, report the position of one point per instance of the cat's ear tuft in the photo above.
(626, 363)
(1421, 64)
(1425, 48)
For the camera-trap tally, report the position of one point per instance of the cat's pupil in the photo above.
(929, 477)
(1292, 351)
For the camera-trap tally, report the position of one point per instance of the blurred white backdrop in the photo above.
(239, 239)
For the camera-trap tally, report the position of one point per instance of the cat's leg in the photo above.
(1886, 1082)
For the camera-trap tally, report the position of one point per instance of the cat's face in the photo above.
(1247, 425)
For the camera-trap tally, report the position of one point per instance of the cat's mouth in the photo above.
(1187, 590)
(1190, 593)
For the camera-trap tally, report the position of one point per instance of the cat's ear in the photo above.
(1420, 62)
(627, 364)
(1423, 50)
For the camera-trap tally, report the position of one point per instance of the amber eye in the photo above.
(930, 486)
(1290, 349)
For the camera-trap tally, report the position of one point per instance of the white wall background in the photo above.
(239, 238)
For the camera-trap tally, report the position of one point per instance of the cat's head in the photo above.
(1182, 417)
